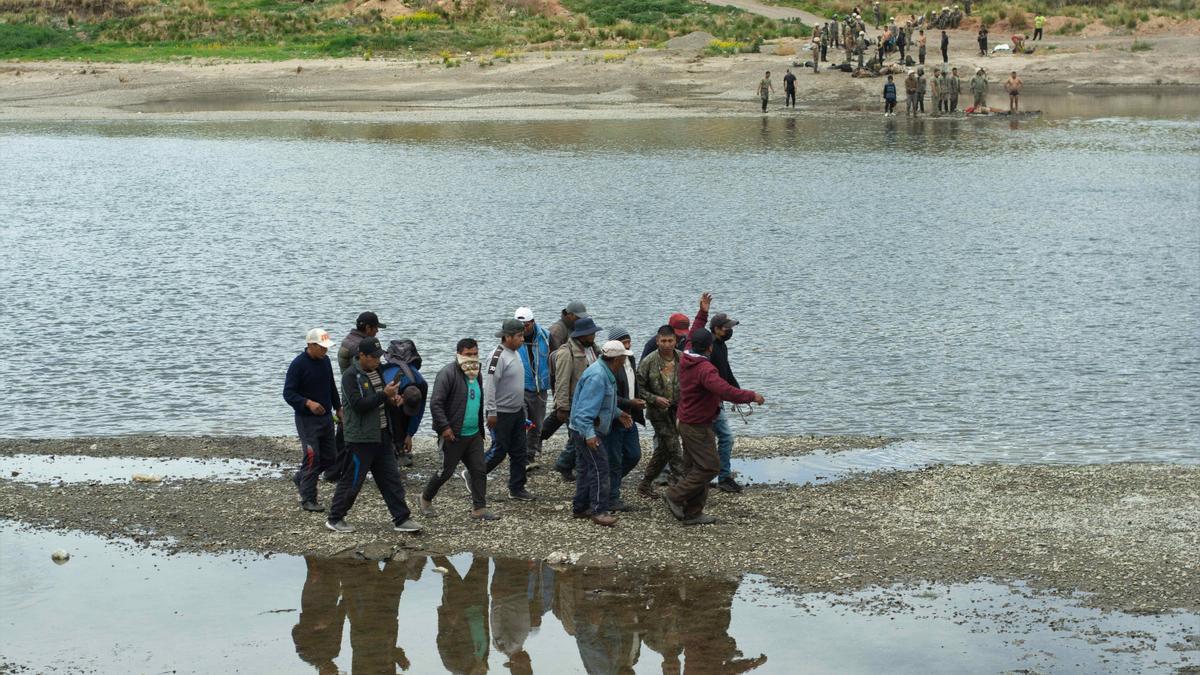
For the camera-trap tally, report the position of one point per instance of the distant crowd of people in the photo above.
(901, 39)
(364, 421)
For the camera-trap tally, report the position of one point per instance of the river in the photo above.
(992, 291)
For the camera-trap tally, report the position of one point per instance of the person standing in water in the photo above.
(889, 97)
(765, 89)
(789, 89)
(1013, 86)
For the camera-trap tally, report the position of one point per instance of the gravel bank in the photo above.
(1126, 534)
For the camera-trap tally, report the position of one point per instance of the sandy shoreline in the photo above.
(542, 86)
(1124, 533)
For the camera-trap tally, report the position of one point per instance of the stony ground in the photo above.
(1126, 534)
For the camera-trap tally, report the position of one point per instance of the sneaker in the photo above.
(604, 519)
(581, 514)
(532, 465)
(701, 519)
(675, 508)
(407, 526)
(618, 505)
(339, 526)
(568, 475)
(728, 484)
(311, 505)
(522, 496)
(647, 490)
(406, 459)
(426, 510)
(485, 516)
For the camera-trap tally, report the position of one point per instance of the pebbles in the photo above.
(1124, 534)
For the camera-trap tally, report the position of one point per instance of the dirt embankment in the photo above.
(1125, 533)
(541, 85)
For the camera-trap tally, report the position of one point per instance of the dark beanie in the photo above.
(700, 340)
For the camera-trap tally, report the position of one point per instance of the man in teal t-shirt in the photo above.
(456, 409)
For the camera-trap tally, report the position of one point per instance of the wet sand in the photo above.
(1125, 534)
(647, 83)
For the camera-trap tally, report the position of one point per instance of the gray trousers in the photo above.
(535, 411)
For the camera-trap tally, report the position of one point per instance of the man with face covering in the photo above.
(570, 361)
(457, 410)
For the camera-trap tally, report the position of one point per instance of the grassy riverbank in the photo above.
(145, 30)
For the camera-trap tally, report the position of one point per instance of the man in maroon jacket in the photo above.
(701, 390)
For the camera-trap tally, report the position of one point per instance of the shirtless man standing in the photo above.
(1013, 86)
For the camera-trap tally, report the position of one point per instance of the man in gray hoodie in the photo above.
(504, 406)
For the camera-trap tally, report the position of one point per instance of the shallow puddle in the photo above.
(824, 467)
(30, 468)
(132, 610)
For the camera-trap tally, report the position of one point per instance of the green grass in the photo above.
(143, 30)
(1141, 46)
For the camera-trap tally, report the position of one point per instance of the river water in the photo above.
(991, 291)
(472, 614)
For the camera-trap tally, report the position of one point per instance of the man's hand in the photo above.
(408, 445)
(662, 402)
(391, 388)
(448, 434)
(314, 407)
(638, 403)
(341, 415)
(593, 442)
(491, 422)
(562, 415)
(625, 420)
(758, 398)
(705, 301)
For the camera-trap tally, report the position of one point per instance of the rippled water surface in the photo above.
(990, 292)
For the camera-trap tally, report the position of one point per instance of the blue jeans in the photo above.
(624, 452)
(724, 434)
(591, 476)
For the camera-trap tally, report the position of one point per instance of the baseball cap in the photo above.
(614, 348)
(510, 327)
(679, 323)
(700, 341)
(523, 314)
(369, 319)
(370, 347)
(318, 336)
(721, 320)
(575, 307)
(412, 400)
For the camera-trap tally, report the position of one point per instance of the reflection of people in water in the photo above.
(318, 633)
(704, 631)
(372, 598)
(602, 612)
(512, 599)
(462, 617)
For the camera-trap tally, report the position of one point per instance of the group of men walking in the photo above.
(599, 392)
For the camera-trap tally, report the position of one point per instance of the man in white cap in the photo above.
(535, 356)
(309, 387)
(593, 412)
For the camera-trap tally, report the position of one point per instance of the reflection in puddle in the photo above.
(824, 467)
(30, 468)
(137, 611)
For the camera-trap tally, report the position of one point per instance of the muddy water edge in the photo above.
(1123, 534)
